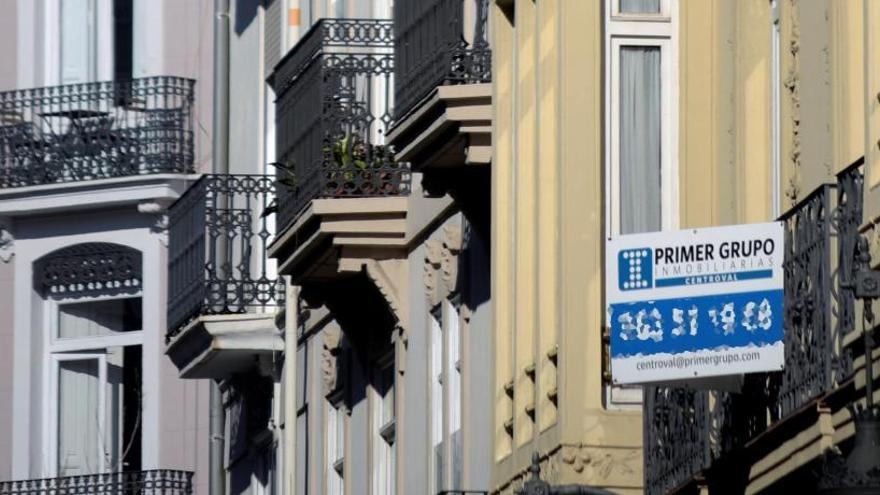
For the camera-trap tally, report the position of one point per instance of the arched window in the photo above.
(93, 337)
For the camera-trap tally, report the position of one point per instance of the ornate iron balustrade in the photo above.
(463, 492)
(333, 109)
(676, 436)
(218, 235)
(439, 42)
(680, 441)
(157, 481)
(79, 132)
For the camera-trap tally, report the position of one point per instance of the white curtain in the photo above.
(640, 6)
(640, 139)
(78, 410)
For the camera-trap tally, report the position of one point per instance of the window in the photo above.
(78, 41)
(122, 39)
(641, 122)
(302, 419)
(383, 422)
(446, 398)
(436, 378)
(335, 449)
(453, 371)
(95, 378)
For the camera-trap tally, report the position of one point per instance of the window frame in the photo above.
(383, 431)
(658, 30)
(334, 409)
(65, 349)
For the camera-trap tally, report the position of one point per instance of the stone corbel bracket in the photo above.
(390, 277)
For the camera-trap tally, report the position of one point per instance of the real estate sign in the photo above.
(695, 303)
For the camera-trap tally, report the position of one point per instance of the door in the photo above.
(80, 387)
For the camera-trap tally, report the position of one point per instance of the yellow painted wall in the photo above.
(548, 192)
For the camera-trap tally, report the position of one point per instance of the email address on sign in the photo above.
(684, 362)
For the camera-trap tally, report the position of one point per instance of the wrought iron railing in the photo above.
(218, 234)
(153, 482)
(98, 130)
(333, 109)
(438, 42)
(676, 436)
(685, 431)
(462, 492)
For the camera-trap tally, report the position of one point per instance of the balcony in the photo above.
(443, 118)
(333, 109)
(158, 481)
(345, 206)
(439, 43)
(222, 290)
(715, 437)
(82, 132)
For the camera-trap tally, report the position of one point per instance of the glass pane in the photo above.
(640, 6)
(99, 318)
(78, 425)
(302, 442)
(388, 397)
(640, 131)
(438, 467)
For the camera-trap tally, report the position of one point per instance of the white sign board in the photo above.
(695, 303)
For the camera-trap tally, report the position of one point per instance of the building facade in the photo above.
(103, 118)
(624, 116)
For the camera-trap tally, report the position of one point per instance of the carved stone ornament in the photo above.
(331, 363)
(433, 253)
(6, 242)
(601, 464)
(449, 256)
(441, 265)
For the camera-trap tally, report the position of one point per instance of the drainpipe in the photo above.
(220, 165)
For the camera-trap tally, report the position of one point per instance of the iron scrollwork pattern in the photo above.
(808, 342)
(218, 237)
(846, 222)
(156, 481)
(676, 436)
(333, 111)
(89, 269)
(78, 132)
(433, 46)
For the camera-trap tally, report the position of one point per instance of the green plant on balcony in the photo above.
(287, 178)
(358, 167)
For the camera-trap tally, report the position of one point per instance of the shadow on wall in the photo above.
(246, 13)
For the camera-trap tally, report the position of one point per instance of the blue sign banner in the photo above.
(695, 303)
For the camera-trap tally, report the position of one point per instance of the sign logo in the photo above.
(635, 269)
